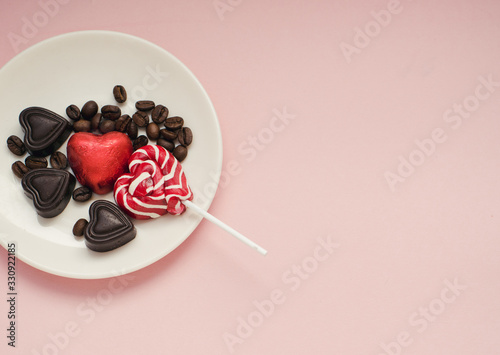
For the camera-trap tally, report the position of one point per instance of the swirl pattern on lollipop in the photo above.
(156, 184)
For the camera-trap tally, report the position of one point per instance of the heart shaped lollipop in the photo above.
(157, 185)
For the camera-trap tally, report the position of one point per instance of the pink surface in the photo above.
(364, 155)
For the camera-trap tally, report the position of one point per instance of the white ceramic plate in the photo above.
(72, 69)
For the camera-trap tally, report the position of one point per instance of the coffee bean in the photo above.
(82, 194)
(36, 162)
(16, 145)
(168, 135)
(122, 123)
(185, 136)
(174, 123)
(58, 160)
(95, 121)
(89, 109)
(106, 126)
(168, 145)
(19, 169)
(111, 112)
(140, 142)
(132, 130)
(145, 105)
(82, 126)
(159, 114)
(153, 131)
(120, 94)
(180, 153)
(140, 118)
(79, 227)
(73, 112)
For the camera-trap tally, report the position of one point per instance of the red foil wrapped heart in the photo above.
(98, 160)
(156, 184)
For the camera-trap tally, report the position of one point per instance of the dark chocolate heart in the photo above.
(109, 228)
(50, 190)
(44, 131)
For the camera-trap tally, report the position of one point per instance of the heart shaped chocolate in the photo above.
(98, 160)
(50, 190)
(44, 131)
(108, 228)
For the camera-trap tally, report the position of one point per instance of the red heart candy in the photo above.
(98, 160)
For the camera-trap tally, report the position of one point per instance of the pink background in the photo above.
(416, 268)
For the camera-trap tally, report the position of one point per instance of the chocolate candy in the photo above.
(108, 228)
(97, 161)
(44, 131)
(50, 190)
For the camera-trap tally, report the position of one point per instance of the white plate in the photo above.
(72, 69)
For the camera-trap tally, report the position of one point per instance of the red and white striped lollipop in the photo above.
(157, 185)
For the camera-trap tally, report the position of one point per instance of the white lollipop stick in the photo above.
(224, 226)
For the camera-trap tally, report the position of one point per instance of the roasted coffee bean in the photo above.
(36, 162)
(73, 112)
(168, 135)
(106, 126)
(19, 169)
(174, 123)
(111, 112)
(140, 118)
(120, 93)
(180, 152)
(82, 126)
(185, 136)
(140, 142)
(96, 121)
(16, 145)
(89, 109)
(58, 160)
(145, 105)
(168, 145)
(122, 123)
(153, 131)
(79, 227)
(132, 130)
(159, 114)
(82, 194)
